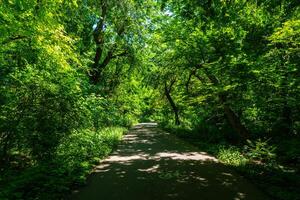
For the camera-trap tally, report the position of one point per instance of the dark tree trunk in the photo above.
(231, 116)
(95, 74)
(172, 103)
(98, 34)
(100, 60)
(286, 120)
(235, 122)
(286, 115)
(99, 67)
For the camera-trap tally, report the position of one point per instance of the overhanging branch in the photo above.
(11, 39)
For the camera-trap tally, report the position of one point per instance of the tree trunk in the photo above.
(231, 116)
(235, 122)
(99, 41)
(173, 105)
(286, 120)
(95, 74)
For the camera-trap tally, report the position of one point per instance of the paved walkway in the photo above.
(153, 165)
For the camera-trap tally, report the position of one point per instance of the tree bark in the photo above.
(235, 122)
(100, 62)
(172, 103)
(286, 119)
(231, 116)
(99, 41)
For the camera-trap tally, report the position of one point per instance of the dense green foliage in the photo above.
(53, 121)
(235, 60)
(70, 164)
(224, 72)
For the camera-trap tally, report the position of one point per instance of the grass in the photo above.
(74, 159)
(257, 162)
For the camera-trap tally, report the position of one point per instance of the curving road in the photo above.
(151, 164)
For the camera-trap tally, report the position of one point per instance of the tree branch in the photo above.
(11, 39)
(125, 53)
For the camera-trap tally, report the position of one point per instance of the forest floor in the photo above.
(155, 165)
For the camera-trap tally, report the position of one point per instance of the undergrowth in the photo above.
(257, 160)
(74, 159)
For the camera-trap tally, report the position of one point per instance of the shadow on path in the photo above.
(153, 165)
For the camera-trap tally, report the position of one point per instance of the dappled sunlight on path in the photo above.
(152, 164)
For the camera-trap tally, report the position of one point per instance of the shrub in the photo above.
(231, 156)
(260, 150)
(72, 162)
(85, 145)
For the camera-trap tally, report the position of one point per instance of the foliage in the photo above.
(53, 122)
(260, 150)
(231, 156)
(235, 59)
(74, 158)
(86, 144)
(226, 71)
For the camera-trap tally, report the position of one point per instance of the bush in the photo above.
(73, 160)
(260, 150)
(85, 145)
(231, 156)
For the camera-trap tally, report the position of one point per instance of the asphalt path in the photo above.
(151, 164)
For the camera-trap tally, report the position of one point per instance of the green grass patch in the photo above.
(231, 156)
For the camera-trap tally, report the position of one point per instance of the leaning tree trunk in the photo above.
(173, 105)
(235, 122)
(232, 117)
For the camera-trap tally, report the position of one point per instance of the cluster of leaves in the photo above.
(260, 150)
